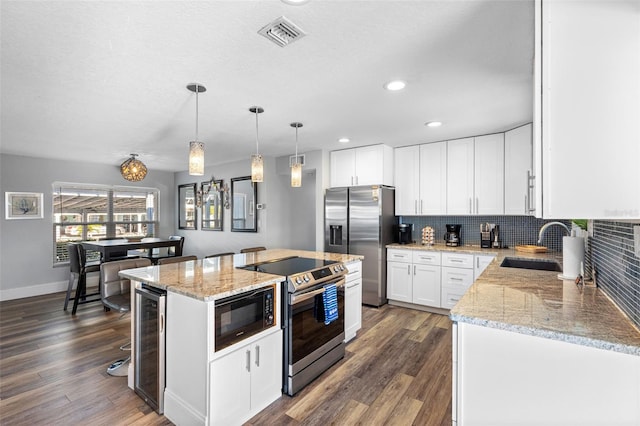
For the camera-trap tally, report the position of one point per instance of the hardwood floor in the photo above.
(53, 371)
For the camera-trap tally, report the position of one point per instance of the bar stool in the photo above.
(78, 269)
(175, 259)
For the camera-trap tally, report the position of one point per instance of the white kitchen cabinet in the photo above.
(353, 300)
(420, 179)
(587, 108)
(480, 263)
(460, 176)
(413, 276)
(518, 171)
(489, 174)
(500, 375)
(426, 285)
(456, 277)
(399, 281)
(246, 380)
(367, 165)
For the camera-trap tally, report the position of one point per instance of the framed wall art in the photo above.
(23, 205)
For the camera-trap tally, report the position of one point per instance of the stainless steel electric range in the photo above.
(311, 344)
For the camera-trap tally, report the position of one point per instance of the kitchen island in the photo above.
(530, 348)
(206, 384)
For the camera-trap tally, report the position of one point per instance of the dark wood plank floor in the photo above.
(53, 371)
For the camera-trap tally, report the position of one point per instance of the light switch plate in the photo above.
(636, 240)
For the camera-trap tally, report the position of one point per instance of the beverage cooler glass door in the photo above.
(150, 347)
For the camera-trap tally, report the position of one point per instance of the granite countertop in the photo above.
(538, 303)
(216, 278)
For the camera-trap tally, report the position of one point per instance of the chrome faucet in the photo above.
(547, 225)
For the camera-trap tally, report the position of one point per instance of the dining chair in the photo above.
(115, 293)
(252, 249)
(165, 252)
(78, 270)
(219, 254)
(175, 259)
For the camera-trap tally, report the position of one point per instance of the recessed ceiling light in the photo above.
(433, 124)
(295, 2)
(395, 85)
(343, 140)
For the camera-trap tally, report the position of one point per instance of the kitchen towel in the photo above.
(572, 257)
(330, 299)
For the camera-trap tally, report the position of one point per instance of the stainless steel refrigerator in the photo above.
(361, 220)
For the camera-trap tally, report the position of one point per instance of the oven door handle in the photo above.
(306, 296)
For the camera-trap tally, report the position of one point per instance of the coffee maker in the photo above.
(405, 233)
(490, 235)
(452, 236)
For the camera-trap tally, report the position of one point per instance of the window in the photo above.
(96, 212)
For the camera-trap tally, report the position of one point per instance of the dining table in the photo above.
(110, 249)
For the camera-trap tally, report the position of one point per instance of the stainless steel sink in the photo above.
(537, 264)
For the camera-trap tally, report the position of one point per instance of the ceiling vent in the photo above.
(282, 32)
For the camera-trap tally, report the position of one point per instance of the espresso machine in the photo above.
(405, 233)
(452, 236)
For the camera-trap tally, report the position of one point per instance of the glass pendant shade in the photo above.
(257, 168)
(133, 169)
(196, 158)
(296, 175)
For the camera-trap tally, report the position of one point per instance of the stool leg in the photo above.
(72, 280)
(80, 289)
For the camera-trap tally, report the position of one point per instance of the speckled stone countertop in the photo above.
(537, 303)
(216, 278)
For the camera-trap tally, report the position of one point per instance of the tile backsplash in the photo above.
(617, 267)
(513, 229)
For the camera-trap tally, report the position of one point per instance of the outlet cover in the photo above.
(636, 240)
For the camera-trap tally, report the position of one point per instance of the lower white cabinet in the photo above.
(414, 277)
(246, 380)
(432, 278)
(353, 300)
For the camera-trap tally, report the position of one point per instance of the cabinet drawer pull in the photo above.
(456, 260)
(455, 279)
(248, 361)
(398, 255)
(409, 269)
(426, 258)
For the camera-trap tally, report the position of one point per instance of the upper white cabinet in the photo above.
(367, 165)
(587, 104)
(460, 176)
(475, 175)
(489, 174)
(518, 171)
(421, 179)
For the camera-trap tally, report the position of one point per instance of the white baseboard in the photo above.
(40, 289)
(181, 413)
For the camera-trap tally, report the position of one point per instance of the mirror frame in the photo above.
(205, 221)
(185, 199)
(250, 209)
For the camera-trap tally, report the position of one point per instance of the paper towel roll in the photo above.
(572, 256)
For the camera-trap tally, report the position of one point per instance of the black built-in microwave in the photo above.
(240, 316)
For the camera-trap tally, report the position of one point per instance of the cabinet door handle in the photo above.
(526, 203)
(356, 179)
(257, 355)
(477, 208)
(408, 269)
(477, 262)
(248, 361)
(351, 180)
(415, 206)
(414, 269)
(470, 207)
(420, 206)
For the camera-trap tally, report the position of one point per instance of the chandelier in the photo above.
(196, 148)
(296, 167)
(133, 169)
(257, 164)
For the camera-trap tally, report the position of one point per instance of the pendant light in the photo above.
(133, 169)
(257, 164)
(296, 167)
(196, 148)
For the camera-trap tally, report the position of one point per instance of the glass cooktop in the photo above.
(288, 266)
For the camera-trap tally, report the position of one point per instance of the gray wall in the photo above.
(26, 246)
(288, 219)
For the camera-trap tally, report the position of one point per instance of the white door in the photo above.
(460, 176)
(518, 166)
(489, 174)
(433, 179)
(407, 183)
(343, 167)
(230, 386)
(266, 371)
(399, 281)
(369, 167)
(426, 285)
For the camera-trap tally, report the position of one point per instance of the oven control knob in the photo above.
(298, 280)
(270, 319)
(306, 278)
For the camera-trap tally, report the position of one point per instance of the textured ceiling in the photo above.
(98, 80)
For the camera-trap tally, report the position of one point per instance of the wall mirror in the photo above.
(212, 209)
(187, 206)
(244, 196)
